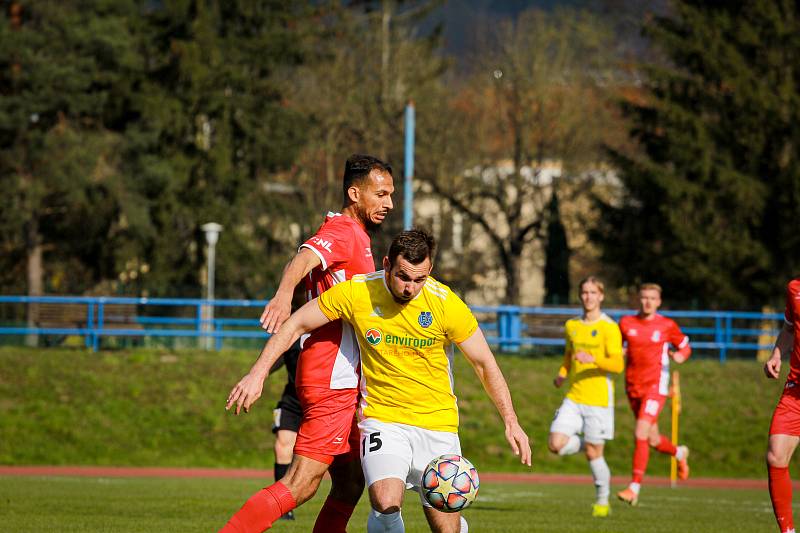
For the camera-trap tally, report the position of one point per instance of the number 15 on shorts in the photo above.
(371, 443)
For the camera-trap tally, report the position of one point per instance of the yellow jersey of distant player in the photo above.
(590, 383)
(406, 349)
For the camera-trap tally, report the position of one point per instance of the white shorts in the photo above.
(401, 451)
(595, 422)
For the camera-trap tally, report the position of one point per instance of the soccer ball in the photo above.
(450, 483)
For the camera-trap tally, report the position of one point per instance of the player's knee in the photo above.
(554, 444)
(776, 459)
(654, 440)
(385, 505)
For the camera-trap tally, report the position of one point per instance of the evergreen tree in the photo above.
(213, 130)
(712, 202)
(63, 80)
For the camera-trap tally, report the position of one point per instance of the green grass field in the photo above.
(131, 505)
(164, 408)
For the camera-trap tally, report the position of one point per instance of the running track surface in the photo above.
(244, 473)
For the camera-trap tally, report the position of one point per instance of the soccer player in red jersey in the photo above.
(328, 367)
(784, 431)
(650, 339)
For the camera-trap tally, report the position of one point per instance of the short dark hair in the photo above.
(357, 169)
(415, 245)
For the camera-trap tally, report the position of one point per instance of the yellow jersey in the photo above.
(406, 349)
(590, 383)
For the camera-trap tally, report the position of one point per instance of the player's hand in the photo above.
(559, 380)
(275, 313)
(584, 357)
(678, 357)
(772, 368)
(245, 393)
(519, 442)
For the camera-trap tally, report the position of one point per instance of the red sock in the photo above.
(333, 516)
(641, 454)
(780, 492)
(261, 510)
(665, 446)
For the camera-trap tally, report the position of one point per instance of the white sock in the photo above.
(635, 487)
(385, 523)
(573, 445)
(680, 453)
(464, 525)
(602, 479)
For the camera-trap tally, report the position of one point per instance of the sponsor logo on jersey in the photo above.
(368, 252)
(656, 336)
(632, 332)
(373, 336)
(425, 319)
(322, 243)
(409, 341)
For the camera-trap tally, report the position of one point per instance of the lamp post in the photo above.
(212, 230)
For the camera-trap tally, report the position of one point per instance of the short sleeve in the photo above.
(337, 302)
(332, 243)
(460, 322)
(613, 338)
(676, 336)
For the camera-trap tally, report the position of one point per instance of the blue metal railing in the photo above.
(509, 327)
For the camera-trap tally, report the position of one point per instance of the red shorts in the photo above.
(647, 407)
(786, 418)
(329, 429)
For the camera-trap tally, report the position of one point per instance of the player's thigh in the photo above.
(443, 522)
(567, 419)
(385, 451)
(598, 424)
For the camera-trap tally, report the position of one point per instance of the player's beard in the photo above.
(369, 225)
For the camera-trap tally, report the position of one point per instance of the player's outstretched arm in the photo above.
(248, 390)
(480, 356)
(783, 345)
(279, 307)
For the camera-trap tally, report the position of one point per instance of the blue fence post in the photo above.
(515, 329)
(502, 327)
(89, 338)
(100, 312)
(217, 338)
(200, 321)
(719, 338)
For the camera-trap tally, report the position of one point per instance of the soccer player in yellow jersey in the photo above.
(406, 323)
(593, 352)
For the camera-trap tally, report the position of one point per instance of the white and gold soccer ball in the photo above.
(450, 483)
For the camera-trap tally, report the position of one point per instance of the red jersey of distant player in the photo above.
(649, 340)
(792, 317)
(330, 356)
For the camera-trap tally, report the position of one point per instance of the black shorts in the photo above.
(287, 414)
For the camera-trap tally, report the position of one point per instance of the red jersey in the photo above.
(792, 317)
(330, 356)
(647, 368)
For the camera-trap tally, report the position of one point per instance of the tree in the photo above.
(536, 108)
(62, 67)
(712, 200)
(213, 131)
(371, 59)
